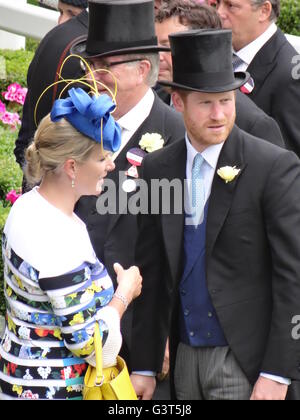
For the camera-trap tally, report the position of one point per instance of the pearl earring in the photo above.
(73, 183)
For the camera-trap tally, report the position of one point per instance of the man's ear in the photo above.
(177, 101)
(265, 11)
(144, 69)
(70, 168)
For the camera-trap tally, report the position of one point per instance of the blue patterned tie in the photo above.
(197, 190)
(236, 61)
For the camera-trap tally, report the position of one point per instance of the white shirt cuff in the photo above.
(275, 378)
(144, 373)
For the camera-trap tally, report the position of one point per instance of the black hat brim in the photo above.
(240, 79)
(80, 49)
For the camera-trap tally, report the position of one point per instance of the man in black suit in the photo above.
(180, 15)
(128, 54)
(43, 71)
(262, 49)
(221, 267)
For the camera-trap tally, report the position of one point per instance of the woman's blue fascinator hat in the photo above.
(91, 116)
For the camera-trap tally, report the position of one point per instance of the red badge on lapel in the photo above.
(135, 157)
(248, 87)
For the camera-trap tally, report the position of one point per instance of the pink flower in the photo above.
(11, 93)
(21, 95)
(10, 118)
(2, 108)
(12, 196)
(30, 395)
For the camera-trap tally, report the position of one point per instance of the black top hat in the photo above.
(118, 27)
(202, 61)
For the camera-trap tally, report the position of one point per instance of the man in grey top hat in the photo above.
(121, 47)
(221, 267)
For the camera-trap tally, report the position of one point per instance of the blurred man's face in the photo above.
(67, 11)
(244, 19)
(122, 72)
(168, 26)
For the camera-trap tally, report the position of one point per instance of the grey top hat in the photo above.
(202, 61)
(118, 27)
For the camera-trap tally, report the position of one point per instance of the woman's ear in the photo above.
(70, 168)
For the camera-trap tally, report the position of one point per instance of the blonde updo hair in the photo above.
(53, 144)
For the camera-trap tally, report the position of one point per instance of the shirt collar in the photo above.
(249, 51)
(210, 154)
(134, 118)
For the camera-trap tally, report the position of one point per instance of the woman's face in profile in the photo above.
(90, 174)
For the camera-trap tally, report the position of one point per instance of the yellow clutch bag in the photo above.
(112, 383)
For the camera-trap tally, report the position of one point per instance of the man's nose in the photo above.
(217, 112)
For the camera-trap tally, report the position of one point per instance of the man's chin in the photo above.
(165, 76)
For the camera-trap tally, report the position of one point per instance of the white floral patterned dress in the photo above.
(55, 290)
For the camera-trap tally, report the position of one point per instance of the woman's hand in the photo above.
(129, 281)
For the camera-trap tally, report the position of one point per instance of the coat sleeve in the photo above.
(150, 326)
(281, 204)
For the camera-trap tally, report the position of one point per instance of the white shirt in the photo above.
(131, 121)
(211, 156)
(248, 53)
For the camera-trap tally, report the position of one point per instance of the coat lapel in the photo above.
(222, 192)
(265, 61)
(173, 224)
(153, 123)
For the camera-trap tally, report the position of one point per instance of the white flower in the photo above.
(77, 388)
(7, 344)
(28, 377)
(58, 302)
(87, 296)
(44, 372)
(24, 333)
(8, 252)
(151, 142)
(18, 313)
(228, 173)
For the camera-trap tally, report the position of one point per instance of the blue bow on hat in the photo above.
(84, 112)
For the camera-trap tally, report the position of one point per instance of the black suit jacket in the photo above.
(249, 117)
(42, 72)
(114, 235)
(252, 258)
(276, 91)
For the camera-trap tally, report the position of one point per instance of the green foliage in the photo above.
(34, 2)
(31, 44)
(3, 216)
(16, 63)
(10, 178)
(289, 19)
(10, 172)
